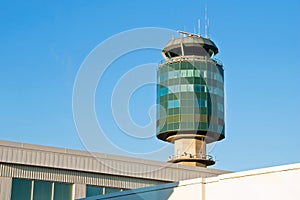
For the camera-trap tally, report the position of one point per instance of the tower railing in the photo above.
(191, 156)
(189, 59)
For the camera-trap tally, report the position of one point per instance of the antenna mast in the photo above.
(206, 22)
(198, 26)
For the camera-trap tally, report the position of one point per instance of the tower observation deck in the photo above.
(190, 98)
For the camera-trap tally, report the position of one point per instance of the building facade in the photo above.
(34, 172)
(276, 183)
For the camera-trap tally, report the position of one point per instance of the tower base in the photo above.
(190, 149)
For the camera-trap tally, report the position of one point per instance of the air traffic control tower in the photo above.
(190, 98)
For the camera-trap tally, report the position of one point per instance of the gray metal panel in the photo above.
(59, 158)
(70, 176)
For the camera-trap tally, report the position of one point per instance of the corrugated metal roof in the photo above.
(61, 158)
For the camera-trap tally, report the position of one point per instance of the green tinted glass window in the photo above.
(42, 190)
(21, 189)
(109, 190)
(92, 190)
(194, 89)
(176, 126)
(62, 191)
(173, 104)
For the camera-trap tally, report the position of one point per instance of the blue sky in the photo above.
(44, 43)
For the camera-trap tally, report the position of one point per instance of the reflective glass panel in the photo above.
(21, 189)
(62, 191)
(42, 190)
(109, 190)
(92, 190)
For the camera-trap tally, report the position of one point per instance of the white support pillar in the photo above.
(5, 188)
(80, 191)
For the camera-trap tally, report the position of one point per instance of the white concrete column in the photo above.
(5, 188)
(80, 191)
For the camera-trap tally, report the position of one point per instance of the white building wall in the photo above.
(188, 190)
(80, 191)
(5, 188)
(275, 183)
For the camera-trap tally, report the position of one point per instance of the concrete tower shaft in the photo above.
(190, 95)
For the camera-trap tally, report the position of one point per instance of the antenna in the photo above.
(198, 26)
(206, 22)
(207, 27)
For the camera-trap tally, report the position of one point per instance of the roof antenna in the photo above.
(199, 27)
(206, 22)
(207, 27)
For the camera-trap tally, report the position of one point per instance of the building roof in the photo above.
(197, 42)
(68, 159)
